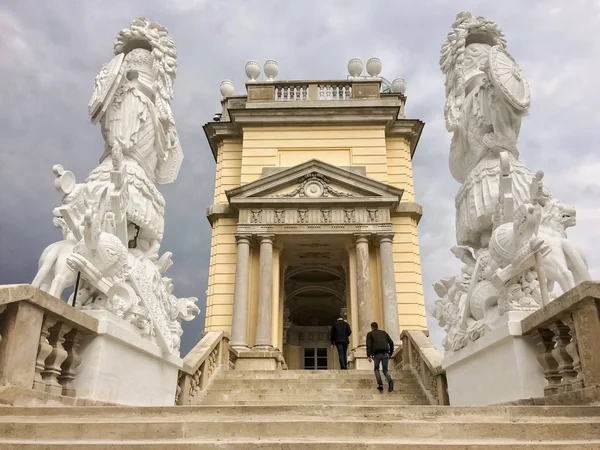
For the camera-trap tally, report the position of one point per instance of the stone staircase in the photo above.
(302, 410)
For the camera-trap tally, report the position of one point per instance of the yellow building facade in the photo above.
(313, 218)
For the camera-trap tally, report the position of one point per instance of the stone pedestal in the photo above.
(497, 368)
(360, 361)
(259, 360)
(119, 366)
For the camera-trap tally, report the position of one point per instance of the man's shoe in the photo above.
(380, 388)
(391, 386)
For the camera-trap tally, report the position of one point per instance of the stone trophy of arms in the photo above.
(486, 97)
(510, 232)
(116, 223)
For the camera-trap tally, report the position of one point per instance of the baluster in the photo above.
(55, 359)
(349, 92)
(544, 339)
(277, 94)
(296, 93)
(571, 348)
(329, 92)
(289, 93)
(44, 349)
(320, 92)
(562, 337)
(69, 367)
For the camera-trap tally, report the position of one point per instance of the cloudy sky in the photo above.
(51, 51)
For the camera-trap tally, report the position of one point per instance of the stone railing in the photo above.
(291, 92)
(211, 355)
(425, 362)
(566, 333)
(40, 337)
(301, 91)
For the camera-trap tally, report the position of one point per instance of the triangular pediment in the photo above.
(314, 182)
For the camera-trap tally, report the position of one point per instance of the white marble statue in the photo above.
(113, 224)
(510, 231)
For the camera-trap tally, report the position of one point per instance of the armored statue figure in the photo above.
(131, 100)
(511, 233)
(486, 97)
(113, 223)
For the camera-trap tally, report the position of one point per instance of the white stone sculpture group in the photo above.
(510, 232)
(113, 223)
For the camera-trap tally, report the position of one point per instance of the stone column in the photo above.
(265, 293)
(239, 328)
(363, 285)
(388, 288)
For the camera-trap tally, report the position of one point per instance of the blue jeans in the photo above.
(383, 359)
(342, 348)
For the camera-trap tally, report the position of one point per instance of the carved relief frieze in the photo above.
(372, 214)
(256, 216)
(326, 215)
(302, 216)
(279, 216)
(349, 215)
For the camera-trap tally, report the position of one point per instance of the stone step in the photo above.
(307, 391)
(302, 400)
(299, 444)
(307, 374)
(362, 397)
(207, 412)
(277, 427)
(320, 384)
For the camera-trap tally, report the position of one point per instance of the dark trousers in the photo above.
(342, 348)
(383, 359)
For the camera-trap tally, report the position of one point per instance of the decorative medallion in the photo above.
(315, 185)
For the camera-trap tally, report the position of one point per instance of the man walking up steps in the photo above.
(379, 349)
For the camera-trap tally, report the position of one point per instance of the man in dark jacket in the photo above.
(379, 348)
(340, 334)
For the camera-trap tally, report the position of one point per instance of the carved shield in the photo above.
(107, 82)
(506, 75)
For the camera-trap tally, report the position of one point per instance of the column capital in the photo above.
(243, 238)
(266, 238)
(361, 237)
(387, 236)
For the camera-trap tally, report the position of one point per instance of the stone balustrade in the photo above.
(303, 91)
(40, 337)
(425, 362)
(211, 355)
(566, 333)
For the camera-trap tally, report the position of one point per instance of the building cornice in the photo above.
(387, 116)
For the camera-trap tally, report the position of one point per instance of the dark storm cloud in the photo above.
(50, 53)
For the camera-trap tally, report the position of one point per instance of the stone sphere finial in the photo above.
(271, 69)
(399, 85)
(227, 89)
(355, 67)
(252, 70)
(374, 67)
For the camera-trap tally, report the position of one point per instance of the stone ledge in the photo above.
(18, 396)
(12, 293)
(581, 292)
(410, 209)
(220, 211)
